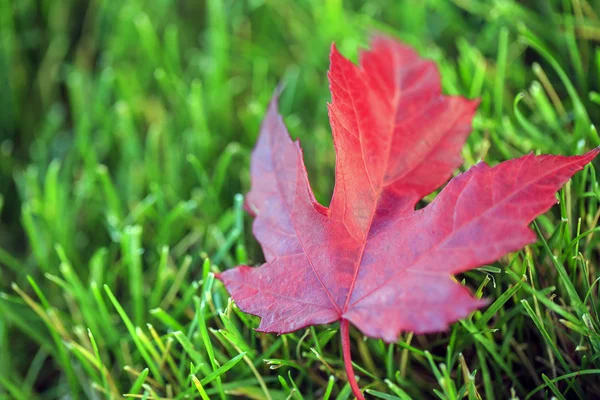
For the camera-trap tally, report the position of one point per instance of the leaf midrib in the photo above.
(395, 104)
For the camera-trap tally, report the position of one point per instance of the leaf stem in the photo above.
(345, 333)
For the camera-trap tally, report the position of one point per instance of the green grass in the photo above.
(125, 134)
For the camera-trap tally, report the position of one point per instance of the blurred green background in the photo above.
(125, 134)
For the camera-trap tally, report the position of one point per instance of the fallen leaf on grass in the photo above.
(371, 259)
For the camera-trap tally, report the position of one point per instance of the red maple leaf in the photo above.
(370, 259)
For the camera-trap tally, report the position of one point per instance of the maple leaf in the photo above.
(369, 258)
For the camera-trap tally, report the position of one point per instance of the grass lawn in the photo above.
(125, 134)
